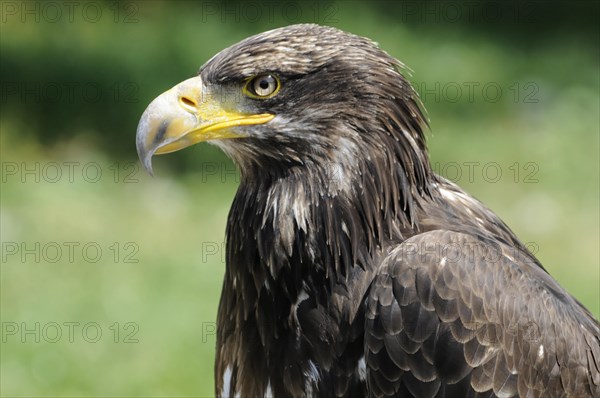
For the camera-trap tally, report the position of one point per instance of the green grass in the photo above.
(176, 220)
(169, 293)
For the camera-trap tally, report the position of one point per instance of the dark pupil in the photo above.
(264, 84)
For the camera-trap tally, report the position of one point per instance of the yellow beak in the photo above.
(184, 116)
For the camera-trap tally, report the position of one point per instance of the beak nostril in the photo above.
(188, 103)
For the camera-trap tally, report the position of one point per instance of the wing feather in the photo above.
(456, 315)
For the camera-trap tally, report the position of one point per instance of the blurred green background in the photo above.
(111, 279)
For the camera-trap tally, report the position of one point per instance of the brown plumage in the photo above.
(354, 270)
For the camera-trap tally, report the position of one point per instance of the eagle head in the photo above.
(302, 97)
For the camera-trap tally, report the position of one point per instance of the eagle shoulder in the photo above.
(451, 314)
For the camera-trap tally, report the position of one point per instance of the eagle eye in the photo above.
(262, 86)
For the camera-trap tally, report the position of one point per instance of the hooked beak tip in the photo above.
(144, 155)
(147, 163)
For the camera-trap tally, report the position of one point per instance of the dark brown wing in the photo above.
(453, 315)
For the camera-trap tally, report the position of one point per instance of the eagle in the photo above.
(352, 269)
